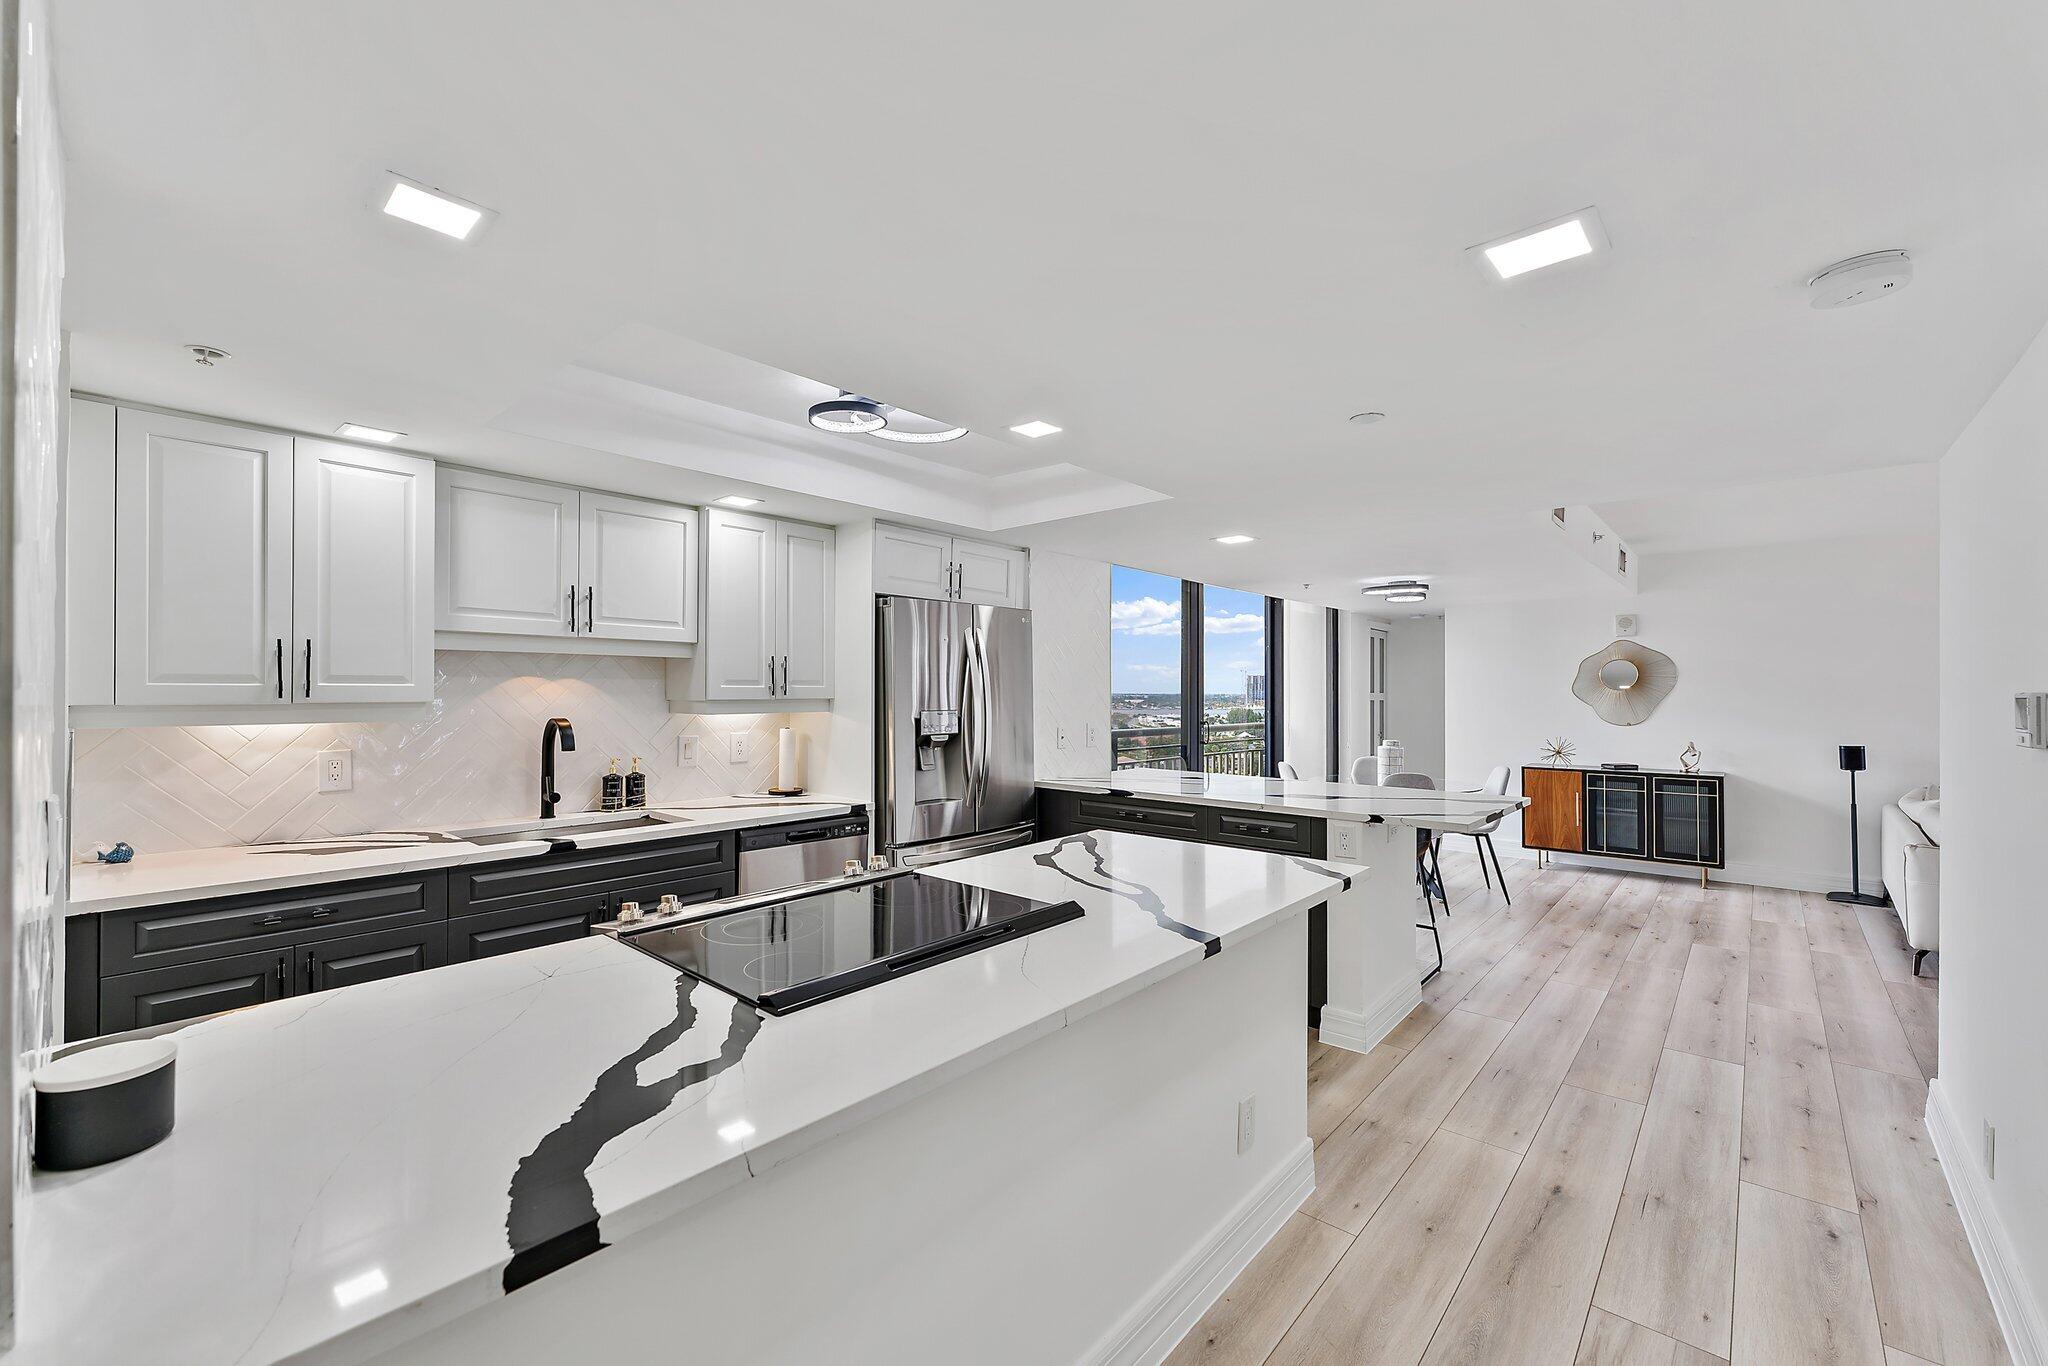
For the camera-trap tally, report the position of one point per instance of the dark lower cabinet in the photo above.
(371, 957)
(527, 927)
(137, 1000)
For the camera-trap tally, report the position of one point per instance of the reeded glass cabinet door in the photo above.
(1686, 826)
(1616, 815)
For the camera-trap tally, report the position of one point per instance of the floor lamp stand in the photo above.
(1856, 896)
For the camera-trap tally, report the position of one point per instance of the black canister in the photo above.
(105, 1102)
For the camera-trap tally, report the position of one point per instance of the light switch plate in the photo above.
(741, 746)
(686, 749)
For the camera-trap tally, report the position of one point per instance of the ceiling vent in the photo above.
(1860, 279)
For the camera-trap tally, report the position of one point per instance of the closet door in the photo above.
(506, 552)
(803, 609)
(363, 575)
(202, 562)
(638, 569)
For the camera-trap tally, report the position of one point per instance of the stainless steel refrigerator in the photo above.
(952, 729)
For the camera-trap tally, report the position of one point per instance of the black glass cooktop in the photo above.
(817, 945)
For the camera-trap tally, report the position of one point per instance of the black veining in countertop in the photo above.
(1137, 893)
(553, 1219)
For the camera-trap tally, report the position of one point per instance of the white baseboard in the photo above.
(2012, 1299)
(1153, 1328)
(1362, 1032)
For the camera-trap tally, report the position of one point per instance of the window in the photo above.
(1203, 699)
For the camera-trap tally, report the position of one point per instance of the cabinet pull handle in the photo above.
(589, 611)
(785, 675)
(309, 667)
(309, 969)
(279, 917)
(283, 980)
(771, 675)
(280, 668)
(572, 609)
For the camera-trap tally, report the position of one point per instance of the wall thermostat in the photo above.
(2030, 719)
(1625, 625)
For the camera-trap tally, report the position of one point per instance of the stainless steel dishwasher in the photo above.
(802, 851)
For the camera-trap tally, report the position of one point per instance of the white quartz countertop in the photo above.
(352, 1168)
(193, 874)
(1457, 812)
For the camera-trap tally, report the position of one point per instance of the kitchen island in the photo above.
(1370, 978)
(1060, 1147)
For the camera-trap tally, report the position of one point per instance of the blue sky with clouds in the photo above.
(1144, 635)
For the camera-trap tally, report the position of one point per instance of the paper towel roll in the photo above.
(785, 761)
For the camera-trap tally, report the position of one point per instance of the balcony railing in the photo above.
(1227, 747)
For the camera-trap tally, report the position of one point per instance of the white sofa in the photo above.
(1911, 845)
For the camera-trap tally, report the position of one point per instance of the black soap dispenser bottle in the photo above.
(636, 785)
(612, 790)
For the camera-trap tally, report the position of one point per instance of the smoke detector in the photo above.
(1860, 279)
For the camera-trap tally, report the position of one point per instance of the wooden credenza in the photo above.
(1652, 815)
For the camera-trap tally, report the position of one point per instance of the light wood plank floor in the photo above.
(1631, 1121)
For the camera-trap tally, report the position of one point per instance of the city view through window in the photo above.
(1152, 715)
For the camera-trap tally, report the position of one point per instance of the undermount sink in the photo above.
(568, 827)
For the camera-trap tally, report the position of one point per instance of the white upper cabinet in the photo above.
(994, 575)
(523, 558)
(738, 660)
(930, 564)
(917, 564)
(89, 556)
(637, 569)
(363, 574)
(804, 608)
(202, 562)
(508, 555)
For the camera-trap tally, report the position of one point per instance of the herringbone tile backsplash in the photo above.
(474, 756)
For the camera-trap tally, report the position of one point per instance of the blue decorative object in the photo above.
(120, 853)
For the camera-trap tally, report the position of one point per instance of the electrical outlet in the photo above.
(686, 749)
(741, 746)
(1094, 737)
(1059, 737)
(337, 770)
(1990, 1152)
(1247, 1117)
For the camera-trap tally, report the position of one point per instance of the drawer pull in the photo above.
(279, 918)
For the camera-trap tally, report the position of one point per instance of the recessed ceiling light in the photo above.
(359, 432)
(734, 500)
(445, 214)
(1367, 419)
(1235, 538)
(1035, 428)
(1546, 244)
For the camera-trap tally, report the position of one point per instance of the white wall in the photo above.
(1994, 935)
(1415, 694)
(32, 413)
(1783, 652)
(1069, 664)
(1305, 678)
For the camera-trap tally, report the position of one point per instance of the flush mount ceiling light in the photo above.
(359, 432)
(1035, 428)
(1409, 596)
(1398, 590)
(852, 415)
(1367, 419)
(436, 210)
(1547, 244)
(734, 500)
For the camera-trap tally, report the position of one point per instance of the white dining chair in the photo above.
(1363, 770)
(1286, 770)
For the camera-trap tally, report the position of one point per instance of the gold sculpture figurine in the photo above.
(1559, 752)
(1689, 761)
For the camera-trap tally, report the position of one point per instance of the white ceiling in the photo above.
(1197, 237)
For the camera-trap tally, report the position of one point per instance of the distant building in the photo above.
(1254, 688)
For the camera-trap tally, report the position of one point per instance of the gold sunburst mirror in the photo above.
(1624, 682)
